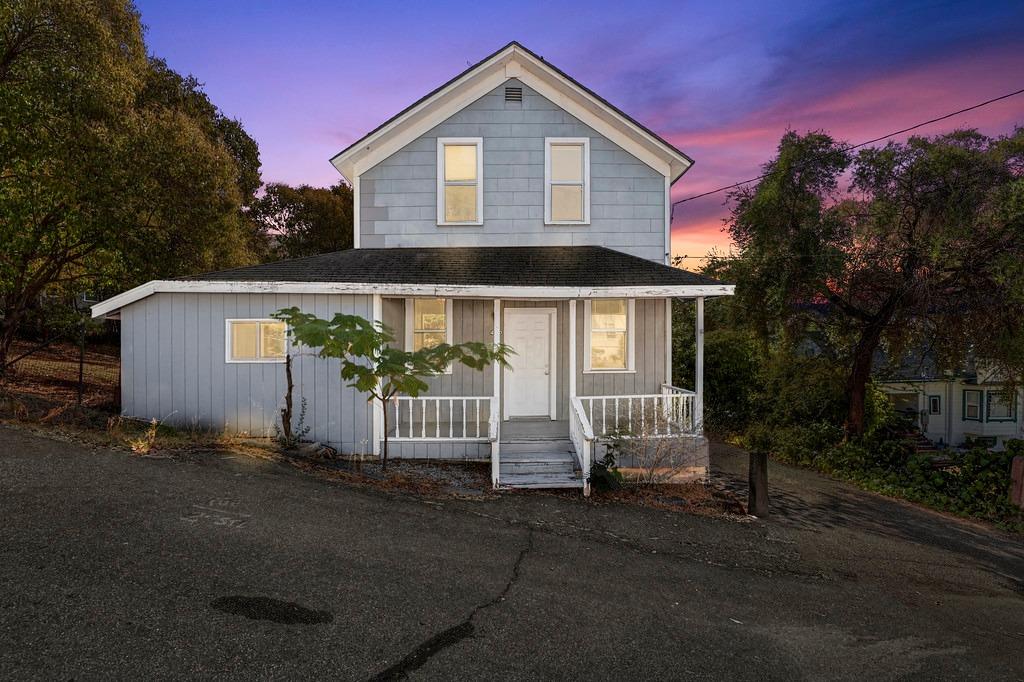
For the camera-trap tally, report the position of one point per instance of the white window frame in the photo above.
(479, 143)
(259, 340)
(934, 404)
(630, 340)
(585, 142)
(409, 330)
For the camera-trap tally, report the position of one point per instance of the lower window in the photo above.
(256, 341)
(972, 405)
(609, 332)
(1000, 407)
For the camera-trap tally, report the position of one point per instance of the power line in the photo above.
(862, 144)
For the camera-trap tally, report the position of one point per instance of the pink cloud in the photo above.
(862, 111)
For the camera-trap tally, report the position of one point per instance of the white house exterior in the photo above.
(509, 205)
(956, 411)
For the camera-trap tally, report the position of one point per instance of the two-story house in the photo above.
(512, 205)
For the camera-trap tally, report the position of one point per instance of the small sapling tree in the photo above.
(370, 364)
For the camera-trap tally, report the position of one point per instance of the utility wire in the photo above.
(862, 144)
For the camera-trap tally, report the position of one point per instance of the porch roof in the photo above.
(535, 272)
(496, 266)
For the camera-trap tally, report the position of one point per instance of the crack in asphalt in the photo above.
(455, 634)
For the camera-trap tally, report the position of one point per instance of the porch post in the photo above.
(378, 409)
(698, 388)
(572, 352)
(496, 402)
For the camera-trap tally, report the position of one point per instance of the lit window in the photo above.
(1000, 407)
(972, 405)
(256, 341)
(609, 325)
(428, 322)
(459, 185)
(567, 180)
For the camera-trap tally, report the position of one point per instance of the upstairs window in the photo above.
(567, 181)
(256, 341)
(608, 335)
(460, 180)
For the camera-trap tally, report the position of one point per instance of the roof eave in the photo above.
(345, 161)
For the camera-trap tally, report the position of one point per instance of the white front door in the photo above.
(530, 376)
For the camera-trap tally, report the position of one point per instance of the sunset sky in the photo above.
(722, 81)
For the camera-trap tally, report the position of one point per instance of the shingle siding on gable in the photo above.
(398, 197)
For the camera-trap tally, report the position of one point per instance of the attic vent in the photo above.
(513, 94)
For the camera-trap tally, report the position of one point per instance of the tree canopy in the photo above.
(915, 243)
(304, 221)
(113, 168)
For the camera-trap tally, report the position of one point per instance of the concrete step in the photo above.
(561, 480)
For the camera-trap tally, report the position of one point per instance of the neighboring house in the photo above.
(955, 409)
(510, 205)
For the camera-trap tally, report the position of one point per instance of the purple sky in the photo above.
(722, 81)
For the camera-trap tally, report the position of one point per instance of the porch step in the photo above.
(536, 445)
(560, 480)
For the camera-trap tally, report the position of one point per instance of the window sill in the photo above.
(609, 371)
(266, 361)
(476, 223)
(554, 223)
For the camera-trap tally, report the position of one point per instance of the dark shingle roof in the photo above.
(520, 266)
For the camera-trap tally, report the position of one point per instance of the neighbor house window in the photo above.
(567, 180)
(428, 322)
(608, 335)
(972, 405)
(934, 404)
(1000, 407)
(256, 341)
(460, 170)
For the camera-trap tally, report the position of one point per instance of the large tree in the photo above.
(113, 169)
(304, 221)
(916, 243)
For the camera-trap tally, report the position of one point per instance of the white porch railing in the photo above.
(658, 415)
(443, 418)
(582, 436)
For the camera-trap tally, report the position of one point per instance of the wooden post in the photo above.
(572, 352)
(757, 497)
(496, 406)
(1017, 481)
(698, 388)
(668, 342)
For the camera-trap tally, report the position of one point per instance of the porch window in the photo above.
(567, 180)
(972, 405)
(428, 322)
(459, 180)
(609, 335)
(999, 408)
(255, 341)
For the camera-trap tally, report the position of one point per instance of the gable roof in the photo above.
(511, 61)
(482, 271)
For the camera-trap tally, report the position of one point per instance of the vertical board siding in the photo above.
(398, 196)
(649, 348)
(174, 369)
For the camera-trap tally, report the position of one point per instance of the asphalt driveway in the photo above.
(118, 566)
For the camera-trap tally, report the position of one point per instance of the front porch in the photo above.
(543, 421)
